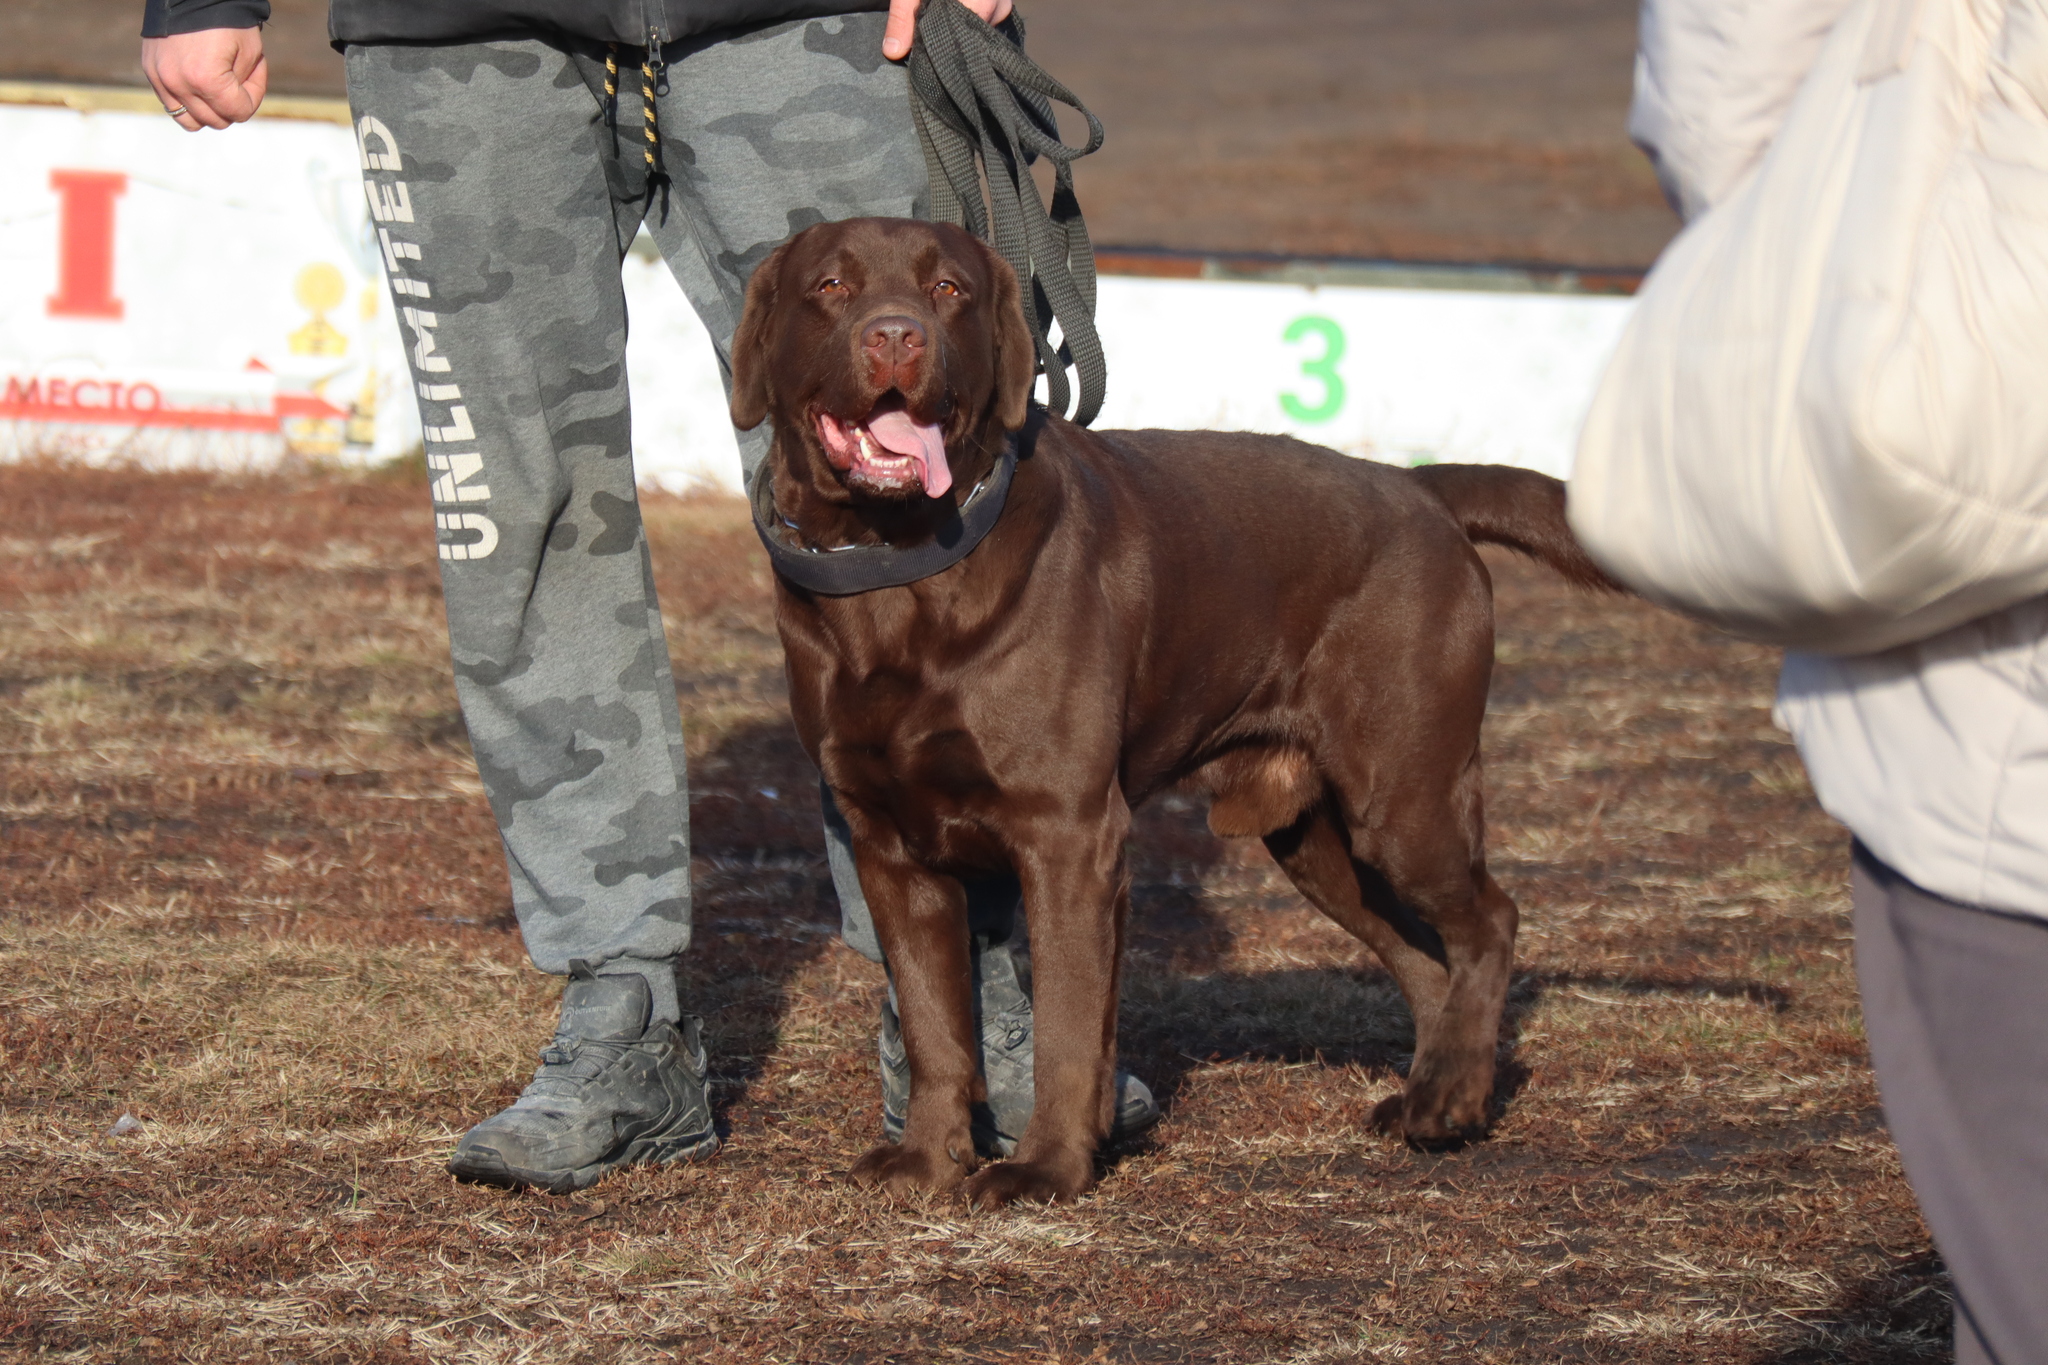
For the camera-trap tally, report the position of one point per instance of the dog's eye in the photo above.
(833, 285)
(946, 288)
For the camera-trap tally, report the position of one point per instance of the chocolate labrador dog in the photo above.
(1304, 636)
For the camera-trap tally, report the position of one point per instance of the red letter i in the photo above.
(85, 244)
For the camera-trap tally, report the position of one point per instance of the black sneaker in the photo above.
(610, 1092)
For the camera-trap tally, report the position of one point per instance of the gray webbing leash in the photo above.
(978, 98)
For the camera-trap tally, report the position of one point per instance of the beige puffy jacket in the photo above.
(1935, 753)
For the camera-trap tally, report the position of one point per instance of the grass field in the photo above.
(253, 898)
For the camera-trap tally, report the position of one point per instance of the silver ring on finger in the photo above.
(177, 112)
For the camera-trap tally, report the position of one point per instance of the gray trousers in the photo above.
(504, 203)
(1955, 1003)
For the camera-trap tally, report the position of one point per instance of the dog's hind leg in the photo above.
(1425, 843)
(1076, 894)
(1450, 1084)
(1416, 891)
(921, 919)
(1316, 856)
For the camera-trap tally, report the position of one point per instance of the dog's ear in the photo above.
(1016, 353)
(750, 396)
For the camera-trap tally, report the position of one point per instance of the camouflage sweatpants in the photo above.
(504, 204)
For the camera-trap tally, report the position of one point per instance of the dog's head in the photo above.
(891, 353)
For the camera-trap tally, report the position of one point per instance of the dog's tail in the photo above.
(1520, 509)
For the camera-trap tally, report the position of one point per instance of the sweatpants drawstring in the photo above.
(649, 126)
(653, 80)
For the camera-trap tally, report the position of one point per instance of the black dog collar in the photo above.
(851, 569)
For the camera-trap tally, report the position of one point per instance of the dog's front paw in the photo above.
(1041, 1182)
(901, 1168)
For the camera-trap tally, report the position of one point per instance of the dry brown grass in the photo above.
(254, 898)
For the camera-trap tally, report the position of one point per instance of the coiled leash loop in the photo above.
(979, 98)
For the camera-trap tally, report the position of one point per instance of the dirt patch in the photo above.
(276, 932)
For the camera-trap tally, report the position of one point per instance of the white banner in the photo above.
(180, 299)
(216, 299)
(1405, 375)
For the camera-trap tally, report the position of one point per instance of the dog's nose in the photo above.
(892, 340)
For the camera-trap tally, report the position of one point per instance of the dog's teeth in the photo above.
(881, 461)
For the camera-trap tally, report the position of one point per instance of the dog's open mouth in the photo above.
(888, 451)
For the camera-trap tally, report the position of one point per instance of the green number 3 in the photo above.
(1323, 369)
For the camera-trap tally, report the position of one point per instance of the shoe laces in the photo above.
(569, 1064)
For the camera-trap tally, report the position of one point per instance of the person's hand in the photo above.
(903, 23)
(217, 76)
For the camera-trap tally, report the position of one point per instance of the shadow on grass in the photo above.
(766, 909)
(762, 895)
(1903, 1316)
(1180, 1011)
(1341, 1017)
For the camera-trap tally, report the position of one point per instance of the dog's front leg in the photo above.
(921, 919)
(1076, 894)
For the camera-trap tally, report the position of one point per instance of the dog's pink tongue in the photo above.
(898, 434)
